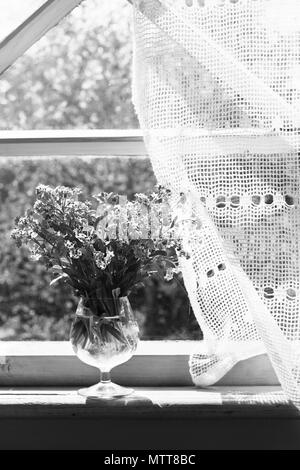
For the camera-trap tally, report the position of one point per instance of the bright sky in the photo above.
(14, 12)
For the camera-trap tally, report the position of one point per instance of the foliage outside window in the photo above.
(77, 76)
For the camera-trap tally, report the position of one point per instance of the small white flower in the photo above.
(75, 254)
(98, 256)
(169, 274)
(109, 256)
(33, 235)
(36, 256)
(69, 245)
(103, 261)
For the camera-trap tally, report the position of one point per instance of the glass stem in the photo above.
(105, 376)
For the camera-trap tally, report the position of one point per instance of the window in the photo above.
(14, 12)
(77, 77)
(36, 93)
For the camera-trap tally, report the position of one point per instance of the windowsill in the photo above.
(222, 417)
(150, 402)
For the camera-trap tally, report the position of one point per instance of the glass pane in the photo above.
(78, 76)
(31, 309)
(15, 12)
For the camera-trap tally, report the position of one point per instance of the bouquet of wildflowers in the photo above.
(103, 247)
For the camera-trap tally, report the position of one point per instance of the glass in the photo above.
(77, 76)
(105, 342)
(30, 308)
(14, 13)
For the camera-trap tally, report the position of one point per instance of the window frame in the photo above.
(128, 142)
(44, 363)
(75, 143)
(32, 29)
(155, 363)
(34, 363)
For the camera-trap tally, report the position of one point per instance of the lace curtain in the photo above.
(217, 91)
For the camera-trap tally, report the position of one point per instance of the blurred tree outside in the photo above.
(77, 76)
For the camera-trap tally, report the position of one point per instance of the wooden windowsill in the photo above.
(156, 418)
(150, 402)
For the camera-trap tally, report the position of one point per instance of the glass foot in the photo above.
(105, 390)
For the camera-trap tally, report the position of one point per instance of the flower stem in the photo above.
(105, 376)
